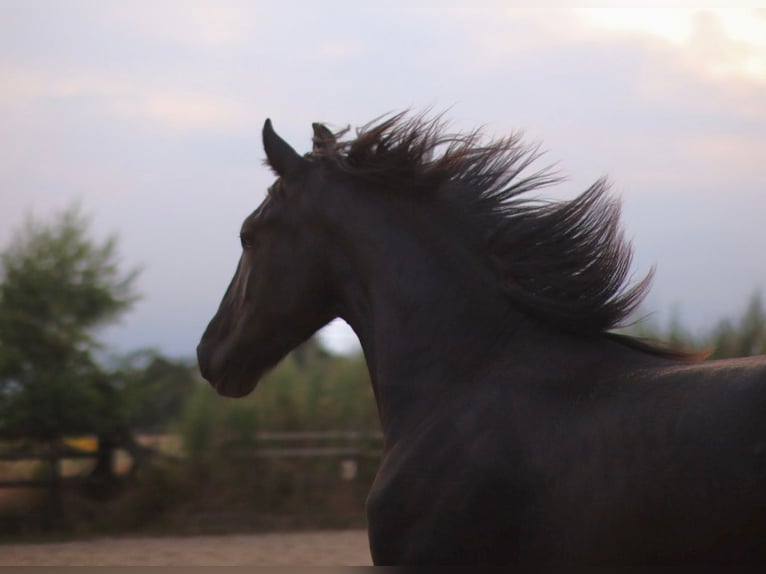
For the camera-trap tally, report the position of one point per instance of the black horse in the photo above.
(518, 428)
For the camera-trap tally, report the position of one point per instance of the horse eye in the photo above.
(246, 240)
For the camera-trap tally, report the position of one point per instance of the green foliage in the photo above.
(58, 286)
(728, 339)
(198, 421)
(308, 390)
(743, 338)
(154, 389)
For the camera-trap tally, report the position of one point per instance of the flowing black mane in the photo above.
(565, 262)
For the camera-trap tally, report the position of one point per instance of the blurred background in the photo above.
(130, 154)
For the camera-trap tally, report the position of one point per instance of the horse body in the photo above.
(651, 465)
(509, 438)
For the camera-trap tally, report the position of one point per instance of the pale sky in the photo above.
(149, 114)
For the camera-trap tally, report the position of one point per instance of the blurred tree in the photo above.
(310, 389)
(746, 338)
(141, 394)
(728, 339)
(154, 388)
(58, 286)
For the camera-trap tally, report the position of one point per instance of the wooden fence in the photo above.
(52, 456)
(309, 444)
(288, 445)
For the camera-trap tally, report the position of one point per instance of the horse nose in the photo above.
(205, 362)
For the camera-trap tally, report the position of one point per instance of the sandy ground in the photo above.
(332, 548)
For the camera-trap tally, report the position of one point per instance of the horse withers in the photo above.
(518, 427)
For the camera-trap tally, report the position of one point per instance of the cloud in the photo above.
(118, 97)
(224, 23)
(151, 113)
(716, 41)
(188, 112)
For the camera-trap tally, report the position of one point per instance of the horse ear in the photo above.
(283, 159)
(324, 140)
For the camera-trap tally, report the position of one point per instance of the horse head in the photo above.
(281, 293)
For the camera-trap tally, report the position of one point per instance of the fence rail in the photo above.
(308, 444)
(16, 456)
(269, 445)
(52, 455)
(37, 482)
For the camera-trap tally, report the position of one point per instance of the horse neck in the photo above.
(433, 321)
(427, 314)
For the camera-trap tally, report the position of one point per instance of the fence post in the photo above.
(54, 510)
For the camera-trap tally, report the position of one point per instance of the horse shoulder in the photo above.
(454, 492)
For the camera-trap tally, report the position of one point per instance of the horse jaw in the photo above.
(229, 377)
